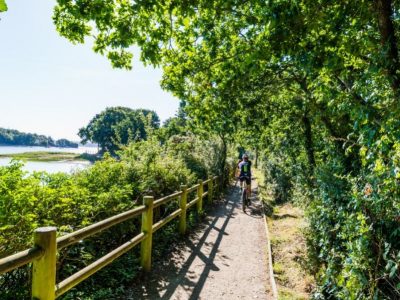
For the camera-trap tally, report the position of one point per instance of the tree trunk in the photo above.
(338, 141)
(309, 144)
(256, 158)
(223, 159)
(389, 42)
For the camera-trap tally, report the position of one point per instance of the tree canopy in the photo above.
(314, 84)
(117, 126)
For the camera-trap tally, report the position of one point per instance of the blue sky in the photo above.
(52, 87)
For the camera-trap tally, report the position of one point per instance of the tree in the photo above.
(117, 126)
(171, 127)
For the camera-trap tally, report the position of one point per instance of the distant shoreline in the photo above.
(43, 156)
(41, 146)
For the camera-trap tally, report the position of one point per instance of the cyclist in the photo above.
(245, 173)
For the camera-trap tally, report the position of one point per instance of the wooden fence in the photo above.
(43, 254)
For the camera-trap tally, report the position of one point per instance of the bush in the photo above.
(354, 235)
(70, 202)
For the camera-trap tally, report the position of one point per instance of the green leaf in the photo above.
(3, 6)
(186, 22)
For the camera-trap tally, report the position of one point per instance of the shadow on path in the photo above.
(174, 271)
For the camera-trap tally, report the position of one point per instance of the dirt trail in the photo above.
(225, 259)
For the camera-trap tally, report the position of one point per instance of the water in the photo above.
(50, 167)
(22, 149)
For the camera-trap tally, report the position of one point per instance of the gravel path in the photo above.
(224, 259)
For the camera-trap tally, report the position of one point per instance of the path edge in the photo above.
(269, 250)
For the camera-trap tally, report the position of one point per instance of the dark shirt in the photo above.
(245, 168)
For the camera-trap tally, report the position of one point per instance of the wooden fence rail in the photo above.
(43, 254)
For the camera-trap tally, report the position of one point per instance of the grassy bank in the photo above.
(286, 224)
(45, 156)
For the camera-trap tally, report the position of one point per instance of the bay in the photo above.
(22, 149)
(50, 167)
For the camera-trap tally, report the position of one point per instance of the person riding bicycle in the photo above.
(245, 172)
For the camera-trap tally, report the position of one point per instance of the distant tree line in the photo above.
(13, 137)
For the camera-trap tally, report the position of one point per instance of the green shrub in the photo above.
(73, 201)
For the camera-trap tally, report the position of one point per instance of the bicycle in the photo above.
(245, 195)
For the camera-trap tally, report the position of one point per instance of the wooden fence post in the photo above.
(44, 268)
(210, 190)
(182, 205)
(147, 229)
(200, 196)
(218, 186)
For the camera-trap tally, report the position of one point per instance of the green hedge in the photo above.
(70, 202)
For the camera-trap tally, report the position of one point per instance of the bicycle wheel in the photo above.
(244, 198)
